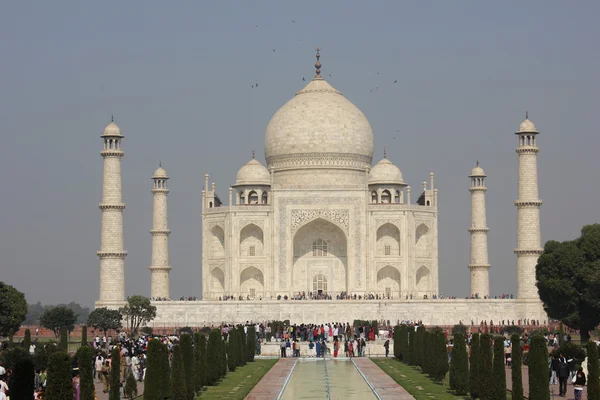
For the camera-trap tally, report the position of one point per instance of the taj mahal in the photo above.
(321, 219)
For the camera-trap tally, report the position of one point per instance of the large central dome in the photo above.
(319, 128)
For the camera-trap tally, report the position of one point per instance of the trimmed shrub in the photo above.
(396, 337)
(411, 345)
(146, 330)
(165, 372)
(485, 371)
(152, 389)
(516, 375)
(223, 353)
(131, 389)
(404, 343)
(85, 358)
(84, 341)
(242, 352)
(538, 369)
(22, 382)
(593, 378)
(199, 361)
(420, 345)
(64, 340)
(178, 386)
(475, 367)
(27, 340)
(570, 350)
(59, 385)
(512, 329)
(115, 375)
(498, 371)
(212, 358)
(561, 333)
(251, 343)
(460, 328)
(185, 341)
(440, 359)
(232, 348)
(460, 365)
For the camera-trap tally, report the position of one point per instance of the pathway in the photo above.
(383, 384)
(269, 387)
(104, 396)
(525, 375)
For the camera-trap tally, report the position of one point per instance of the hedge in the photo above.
(115, 375)
(516, 375)
(212, 358)
(460, 365)
(251, 343)
(178, 382)
(538, 369)
(498, 371)
(475, 367)
(85, 359)
(59, 385)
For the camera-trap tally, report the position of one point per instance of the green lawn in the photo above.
(238, 384)
(416, 383)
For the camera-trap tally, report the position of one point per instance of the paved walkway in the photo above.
(104, 396)
(525, 375)
(383, 384)
(270, 385)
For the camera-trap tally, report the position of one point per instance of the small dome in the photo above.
(253, 173)
(527, 126)
(112, 130)
(160, 173)
(477, 171)
(384, 172)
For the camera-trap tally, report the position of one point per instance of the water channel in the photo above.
(326, 379)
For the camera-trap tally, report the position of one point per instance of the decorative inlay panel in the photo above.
(301, 217)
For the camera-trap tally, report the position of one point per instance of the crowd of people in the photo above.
(339, 296)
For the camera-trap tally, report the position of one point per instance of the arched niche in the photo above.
(423, 241)
(388, 281)
(217, 281)
(251, 282)
(423, 280)
(388, 240)
(251, 241)
(217, 245)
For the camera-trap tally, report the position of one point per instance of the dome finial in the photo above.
(477, 163)
(159, 164)
(384, 152)
(318, 63)
(526, 114)
(253, 154)
(112, 117)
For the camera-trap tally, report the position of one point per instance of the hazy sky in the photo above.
(178, 76)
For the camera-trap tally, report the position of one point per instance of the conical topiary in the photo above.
(85, 358)
(498, 371)
(212, 358)
(538, 369)
(232, 348)
(152, 388)
(131, 389)
(485, 371)
(84, 335)
(516, 373)
(185, 341)
(251, 343)
(115, 375)
(475, 367)
(200, 358)
(593, 378)
(27, 340)
(460, 365)
(178, 386)
(396, 337)
(22, 379)
(59, 384)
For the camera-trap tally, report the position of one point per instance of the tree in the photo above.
(459, 328)
(440, 361)
(411, 345)
(485, 368)
(516, 373)
(251, 344)
(403, 336)
(212, 357)
(199, 361)
(419, 345)
(56, 318)
(84, 335)
(138, 311)
(475, 367)
(222, 358)
(85, 359)
(165, 373)
(427, 352)
(27, 339)
(64, 340)
(13, 309)
(498, 371)
(34, 312)
(185, 341)
(22, 384)
(82, 313)
(232, 348)
(242, 352)
(178, 385)
(104, 319)
(396, 337)
(152, 387)
(538, 369)
(59, 385)
(568, 280)
(131, 389)
(115, 375)
(593, 378)
(460, 365)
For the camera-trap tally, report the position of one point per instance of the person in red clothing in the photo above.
(336, 347)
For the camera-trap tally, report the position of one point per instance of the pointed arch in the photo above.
(373, 197)
(217, 245)
(217, 281)
(251, 282)
(388, 240)
(423, 280)
(423, 241)
(251, 241)
(253, 197)
(386, 197)
(388, 281)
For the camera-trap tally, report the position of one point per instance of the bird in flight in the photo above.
(396, 81)
(273, 49)
(252, 86)
(293, 21)
(256, 26)
(398, 130)
(303, 80)
(256, 85)
(329, 74)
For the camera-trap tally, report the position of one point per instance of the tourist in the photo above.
(554, 364)
(336, 347)
(311, 348)
(386, 345)
(318, 348)
(563, 375)
(578, 383)
(363, 346)
(76, 384)
(282, 349)
(350, 349)
(105, 376)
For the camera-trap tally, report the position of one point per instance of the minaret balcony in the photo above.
(112, 206)
(528, 203)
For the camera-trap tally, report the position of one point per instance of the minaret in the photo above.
(160, 268)
(528, 212)
(479, 265)
(112, 253)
